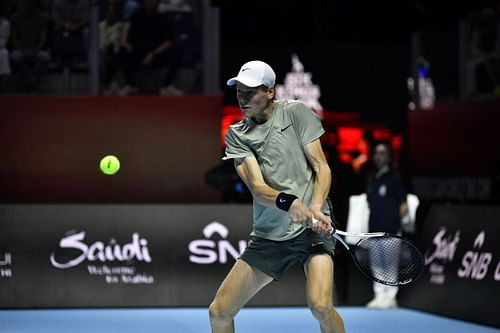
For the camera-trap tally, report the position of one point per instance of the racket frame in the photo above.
(337, 234)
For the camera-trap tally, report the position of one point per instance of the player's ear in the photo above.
(271, 92)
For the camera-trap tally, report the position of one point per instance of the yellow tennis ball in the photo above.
(110, 165)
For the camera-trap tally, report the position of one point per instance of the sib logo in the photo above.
(475, 263)
(206, 251)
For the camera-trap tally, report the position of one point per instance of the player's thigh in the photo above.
(319, 283)
(239, 286)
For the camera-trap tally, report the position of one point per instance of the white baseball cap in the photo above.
(253, 74)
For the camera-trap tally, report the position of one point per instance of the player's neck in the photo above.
(264, 115)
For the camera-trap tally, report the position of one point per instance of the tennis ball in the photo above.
(110, 165)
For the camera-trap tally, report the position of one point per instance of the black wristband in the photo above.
(285, 200)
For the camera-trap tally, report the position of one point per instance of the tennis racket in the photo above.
(385, 258)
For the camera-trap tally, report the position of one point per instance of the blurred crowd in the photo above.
(153, 47)
(483, 54)
(142, 44)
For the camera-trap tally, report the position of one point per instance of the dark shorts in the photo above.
(275, 257)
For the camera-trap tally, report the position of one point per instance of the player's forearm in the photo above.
(249, 171)
(322, 183)
(264, 193)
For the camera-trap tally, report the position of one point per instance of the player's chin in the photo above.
(247, 112)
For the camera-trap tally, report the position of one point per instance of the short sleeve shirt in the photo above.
(278, 145)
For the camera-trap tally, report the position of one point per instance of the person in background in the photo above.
(482, 69)
(129, 7)
(146, 43)
(70, 17)
(110, 31)
(29, 58)
(386, 197)
(5, 69)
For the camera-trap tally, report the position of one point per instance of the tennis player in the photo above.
(278, 154)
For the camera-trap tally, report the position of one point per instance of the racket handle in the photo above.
(332, 229)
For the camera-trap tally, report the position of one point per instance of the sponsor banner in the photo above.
(461, 245)
(5, 265)
(125, 255)
(458, 189)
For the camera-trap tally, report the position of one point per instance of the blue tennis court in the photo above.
(249, 320)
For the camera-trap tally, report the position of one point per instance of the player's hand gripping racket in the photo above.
(385, 258)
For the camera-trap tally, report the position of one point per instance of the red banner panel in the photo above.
(455, 139)
(52, 146)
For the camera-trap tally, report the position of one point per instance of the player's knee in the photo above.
(219, 315)
(321, 310)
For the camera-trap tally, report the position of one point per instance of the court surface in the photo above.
(249, 320)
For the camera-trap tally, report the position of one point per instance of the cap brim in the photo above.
(249, 82)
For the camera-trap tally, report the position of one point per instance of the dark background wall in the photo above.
(359, 52)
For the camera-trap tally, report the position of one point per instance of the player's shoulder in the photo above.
(237, 125)
(291, 104)
(238, 129)
(294, 108)
(240, 126)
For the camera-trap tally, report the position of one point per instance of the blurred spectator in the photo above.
(129, 7)
(388, 210)
(174, 6)
(110, 32)
(69, 18)
(4, 53)
(29, 35)
(186, 39)
(483, 74)
(147, 43)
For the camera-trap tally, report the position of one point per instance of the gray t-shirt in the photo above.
(278, 147)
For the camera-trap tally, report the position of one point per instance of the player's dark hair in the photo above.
(266, 88)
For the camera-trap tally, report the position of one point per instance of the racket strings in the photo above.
(389, 260)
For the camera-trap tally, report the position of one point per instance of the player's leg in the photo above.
(319, 292)
(239, 286)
